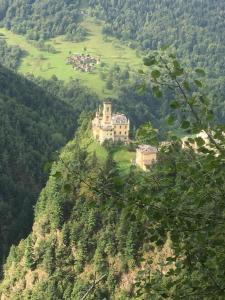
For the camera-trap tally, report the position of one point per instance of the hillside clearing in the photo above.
(45, 64)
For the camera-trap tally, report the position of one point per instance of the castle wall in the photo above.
(106, 135)
(142, 157)
(121, 132)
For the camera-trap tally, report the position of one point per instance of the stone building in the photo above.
(109, 126)
(145, 156)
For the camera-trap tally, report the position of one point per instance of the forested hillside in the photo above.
(42, 19)
(194, 28)
(80, 232)
(144, 235)
(33, 125)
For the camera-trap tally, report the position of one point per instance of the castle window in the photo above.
(120, 132)
(107, 109)
(125, 132)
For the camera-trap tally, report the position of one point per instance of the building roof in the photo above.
(147, 149)
(119, 119)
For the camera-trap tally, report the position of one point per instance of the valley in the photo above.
(112, 150)
(42, 63)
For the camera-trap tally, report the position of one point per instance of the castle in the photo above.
(108, 126)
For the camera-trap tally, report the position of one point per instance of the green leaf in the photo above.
(198, 83)
(156, 91)
(185, 124)
(171, 259)
(172, 55)
(199, 141)
(155, 74)
(176, 64)
(179, 72)
(149, 61)
(191, 140)
(191, 101)
(170, 120)
(200, 72)
(141, 88)
(175, 105)
(57, 174)
(141, 71)
(186, 85)
(67, 188)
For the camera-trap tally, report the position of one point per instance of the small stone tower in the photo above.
(107, 113)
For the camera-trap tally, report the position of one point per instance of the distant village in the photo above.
(83, 62)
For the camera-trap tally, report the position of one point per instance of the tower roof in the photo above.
(119, 119)
(146, 149)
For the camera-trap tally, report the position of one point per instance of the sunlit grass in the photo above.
(44, 64)
(124, 159)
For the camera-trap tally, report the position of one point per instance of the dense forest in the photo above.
(34, 124)
(194, 28)
(42, 19)
(10, 56)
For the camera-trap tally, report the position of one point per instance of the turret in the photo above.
(107, 112)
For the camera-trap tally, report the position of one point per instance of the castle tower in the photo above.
(107, 113)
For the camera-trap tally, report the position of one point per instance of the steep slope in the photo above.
(80, 233)
(123, 237)
(33, 124)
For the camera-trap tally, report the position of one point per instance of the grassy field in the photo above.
(121, 155)
(124, 159)
(100, 151)
(44, 64)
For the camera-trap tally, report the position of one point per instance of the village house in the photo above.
(146, 155)
(109, 126)
(83, 62)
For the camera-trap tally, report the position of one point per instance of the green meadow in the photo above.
(42, 63)
(121, 153)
